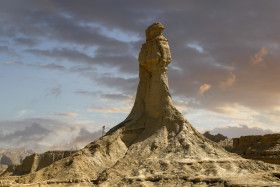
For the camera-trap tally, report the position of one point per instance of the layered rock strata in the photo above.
(12, 156)
(155, 145)
(36, 162)
(261, 147)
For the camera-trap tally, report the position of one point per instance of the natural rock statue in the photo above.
(154, 145)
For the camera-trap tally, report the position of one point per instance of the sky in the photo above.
(69, 67)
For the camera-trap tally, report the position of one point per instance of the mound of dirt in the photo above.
(154, 146)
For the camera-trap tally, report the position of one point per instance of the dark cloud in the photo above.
(4, 48)
(124, 63)
(53, 67)
(102, 34)
(41, 134)
(30, 42)
(242, 130)
(64, 53)
(128, 86)
(82, 69)
(85, 137)
(34, 132)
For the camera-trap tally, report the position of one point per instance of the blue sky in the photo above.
(67, 68)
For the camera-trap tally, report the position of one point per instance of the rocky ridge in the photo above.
(37, 161)
(215, 138)
(259, 147)
(13, 156)
(154, 146)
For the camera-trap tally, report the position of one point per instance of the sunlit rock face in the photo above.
(154, 146)
(260, 147)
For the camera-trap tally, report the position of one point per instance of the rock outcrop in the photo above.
(220, 139)
(155, 145)
(215, 138)
(36, 162)
(13, 156)
(260, 147)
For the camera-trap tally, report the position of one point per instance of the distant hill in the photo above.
(215, 138)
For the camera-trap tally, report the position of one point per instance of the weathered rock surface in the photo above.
(154, 145)
(260, 147)
(220, 139)
(226, 144)
(36, 162)
(215, 138)
(13, 156)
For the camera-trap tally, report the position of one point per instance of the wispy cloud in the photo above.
(53, 67)
(23, 113)
(121, 109)
(13, 63)
(229, 82)
(204, 88)
(72, 115)
(258, 58)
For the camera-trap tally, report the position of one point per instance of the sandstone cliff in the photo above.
(265, 148)
(13, 156)
(154, 146)
(36, 162)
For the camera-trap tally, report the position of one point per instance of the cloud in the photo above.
(72, 115)
(40, 134)
(23, 113)
(127, 86)
(13, 63)
(204, 50)
(118, 97)
(120, 109)
(204, 88)
(84, 137)
(56, 91)
(34, 132)
(229, 82)
(258, 58)
(84, 92)
(64, 53)
(53, 67)
(241, 130)
(195, 46)
(30, 42)
(4, 48)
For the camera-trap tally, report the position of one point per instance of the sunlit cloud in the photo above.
(13, 63)
(72, 115)
(23, 113)
(117, 97)
(195, 46)
(121, 109)
(236, 111)
(204, 88)
(258, 58)
(229, 82)
(181, 105)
